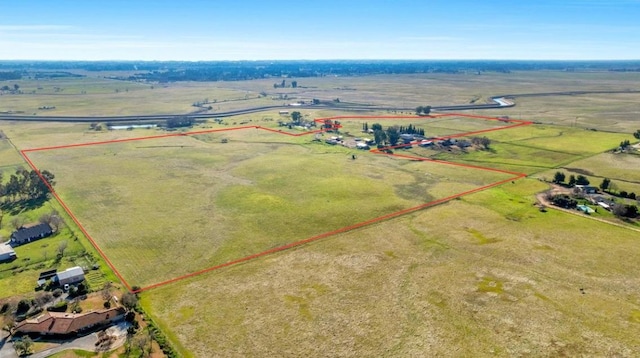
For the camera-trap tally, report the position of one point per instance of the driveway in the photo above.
(6, 347)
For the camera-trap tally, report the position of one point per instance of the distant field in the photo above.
(614, 112)
(144, 201)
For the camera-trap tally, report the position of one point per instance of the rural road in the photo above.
(496, 102)
(501, 101)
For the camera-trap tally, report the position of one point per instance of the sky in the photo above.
(211, 30)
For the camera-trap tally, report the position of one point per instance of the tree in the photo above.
(605, 184)
(582, 180)
(564, 201)
(177, 121)
(627, 211)
(129, 300)
(106, 291)
(393, 135)
(16, 87)
(296, 116)
(294, 84)
(23, 346)
(423, 110)
(61, 248)
(559, 177)
(572, 180)
(625, 144)
(484, 142)
(23, 306)
(379, 136)
(17, 222)
(636, 135)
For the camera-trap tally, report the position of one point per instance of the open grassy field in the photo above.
(208, 202)
(621, 168)
(9, 156)
(488, 275)
(535, 148)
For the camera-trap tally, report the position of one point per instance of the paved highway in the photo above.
(501, 101)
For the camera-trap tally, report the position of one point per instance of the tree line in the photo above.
(25, 185)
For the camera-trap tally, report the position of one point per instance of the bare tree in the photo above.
(106, 291)
(61, 248)
(142, 341)
(45, 218)
(17, 222)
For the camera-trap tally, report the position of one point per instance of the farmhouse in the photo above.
(70, 276)
(65, 324)
(31, 233)
(7, 253)
(586, 189)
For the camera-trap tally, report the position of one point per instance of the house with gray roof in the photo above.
(70, 276)
(28, 234)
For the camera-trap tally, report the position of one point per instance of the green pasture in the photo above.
(213, 202)
(386, 288)
(621, 168)
(532, 149)
(9, 157)
(433, 127)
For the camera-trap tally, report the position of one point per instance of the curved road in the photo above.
(501, 101)
(497, 102)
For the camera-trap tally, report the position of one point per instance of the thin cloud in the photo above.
(12, 28)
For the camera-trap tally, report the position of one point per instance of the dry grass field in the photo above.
(146, 202)
(488, 275)
(484, 275)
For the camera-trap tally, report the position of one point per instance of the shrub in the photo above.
(57, 292)
(58, 307)
(23, 306)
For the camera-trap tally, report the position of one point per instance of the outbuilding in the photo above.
(7, 253)
(70, 276)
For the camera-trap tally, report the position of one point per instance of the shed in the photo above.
(70, 276)
(7, 253)
(28, 234)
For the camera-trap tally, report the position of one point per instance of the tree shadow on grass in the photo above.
(17, 207)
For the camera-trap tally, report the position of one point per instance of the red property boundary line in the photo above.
(510, 123)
